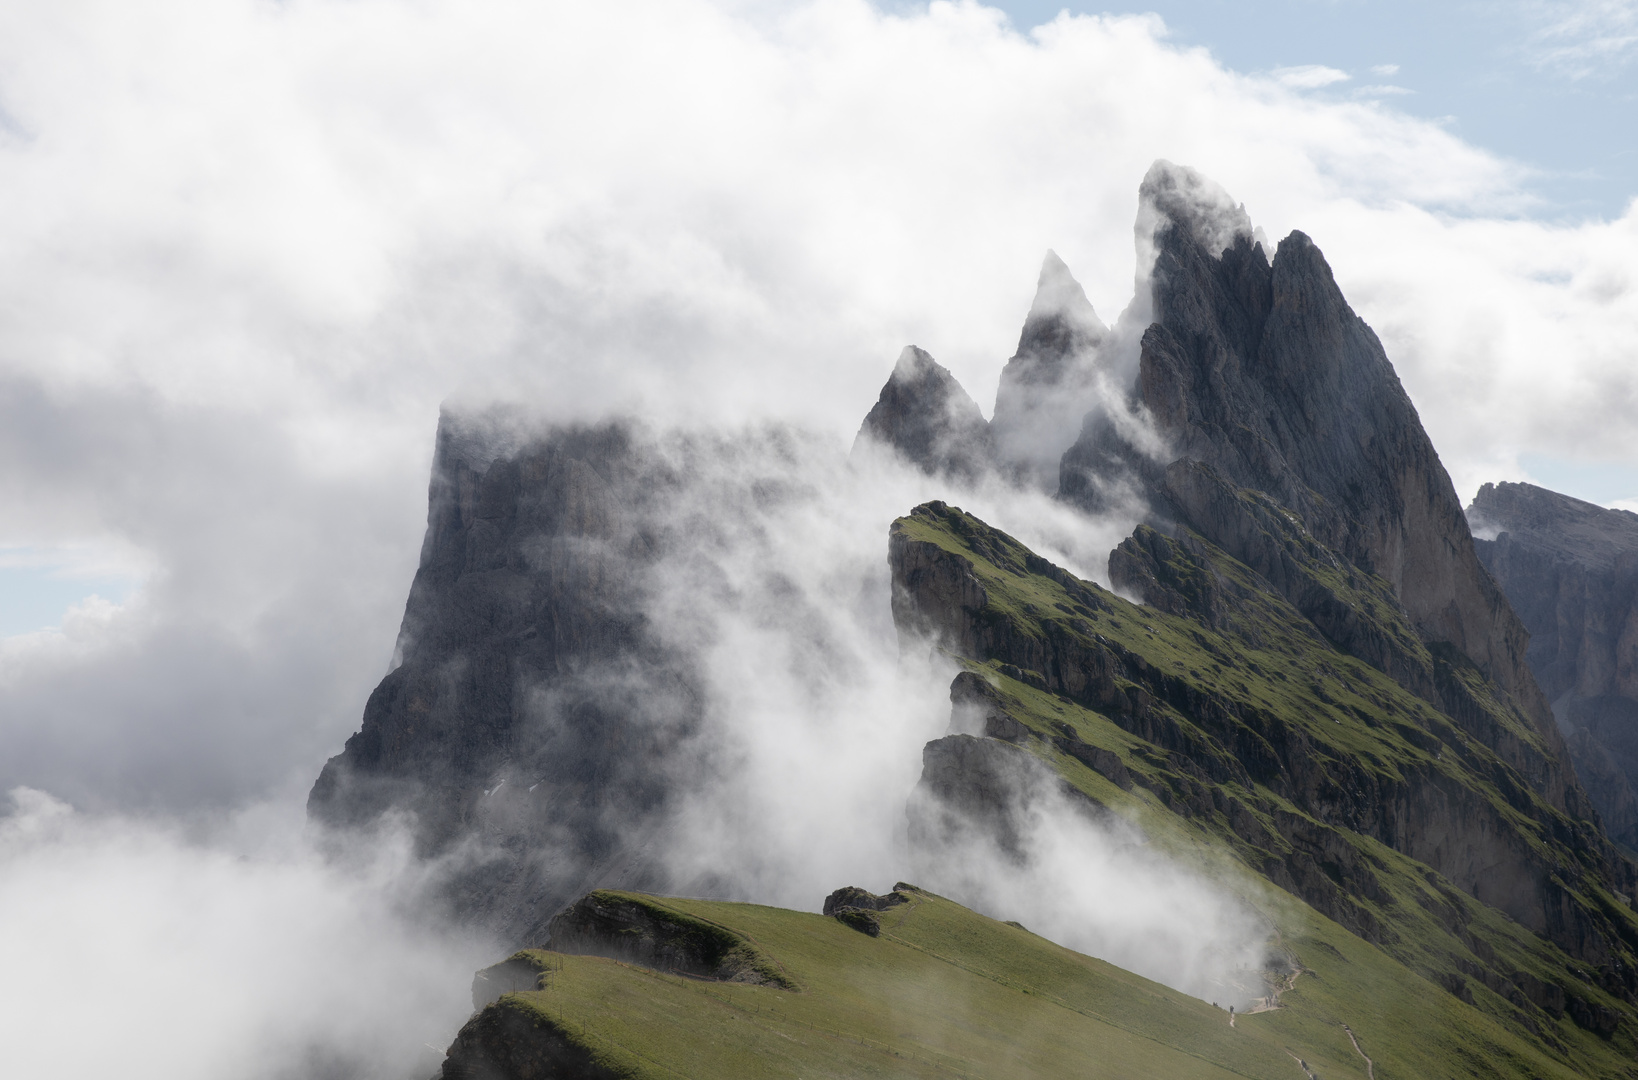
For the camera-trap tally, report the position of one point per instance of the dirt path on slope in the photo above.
(1272, 1001)
(1370, 1066)
(1303, 1065)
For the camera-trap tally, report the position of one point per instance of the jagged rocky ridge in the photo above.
(1309, 763)
(1570, 569)
(1259, 377)
(1274, 437)
(926, 417)
(1304, 563)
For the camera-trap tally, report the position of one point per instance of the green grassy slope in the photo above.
(1439, 992)
(942, 992)
(1246, 744)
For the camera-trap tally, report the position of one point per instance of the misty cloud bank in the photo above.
(227, 339)
(771, 718)
(264, 242)
(134, 949)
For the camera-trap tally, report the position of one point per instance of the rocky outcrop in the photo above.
(1257, 375)
(513, 1038)
(929, 420)
(861, 909)
(1465, 825)
(529, 720)
(521, 971)
(1570, 569)
(976, 709)
(974, 786)
(510, 1041)
(1049, 383)
(638, 930)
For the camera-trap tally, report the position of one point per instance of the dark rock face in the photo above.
(925, 415)
(1282, 435)
(972, 786)
(520, 1044)
(528, 725)
(976, 709)
(988, 787)
(1045, 388)
(1570, 569)
(1262, 371)
(1460, 830)
(859, 909)
(523, 971)
(640, 931)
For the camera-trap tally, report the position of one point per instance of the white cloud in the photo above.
(1309, 76)
(1382, 91)
(243, 956)
(1582, 38)
(1385, 70)
(248, 248)
(300, 227)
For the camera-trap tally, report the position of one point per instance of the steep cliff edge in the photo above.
(1314, 765)
(528, 722)
(1259, 378)
(1570, 569)
(1254, 375)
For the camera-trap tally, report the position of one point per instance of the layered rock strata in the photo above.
(632, 928)
(1340, 751)
(1570, 569)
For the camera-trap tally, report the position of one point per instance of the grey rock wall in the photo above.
(529, 728)
(1263, 372)
(1570, 569)
(925, 416)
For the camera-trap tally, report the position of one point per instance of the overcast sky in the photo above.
(248, 248)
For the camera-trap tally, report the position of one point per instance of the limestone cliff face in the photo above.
(1570, 569)
(527, 722)
(925, 416)
(1047, 385)
(1261, 371)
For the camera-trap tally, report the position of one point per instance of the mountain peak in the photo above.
(1060, 298)
(1177, 196)
(916, 365)
(925, 415)
(1047, 385)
